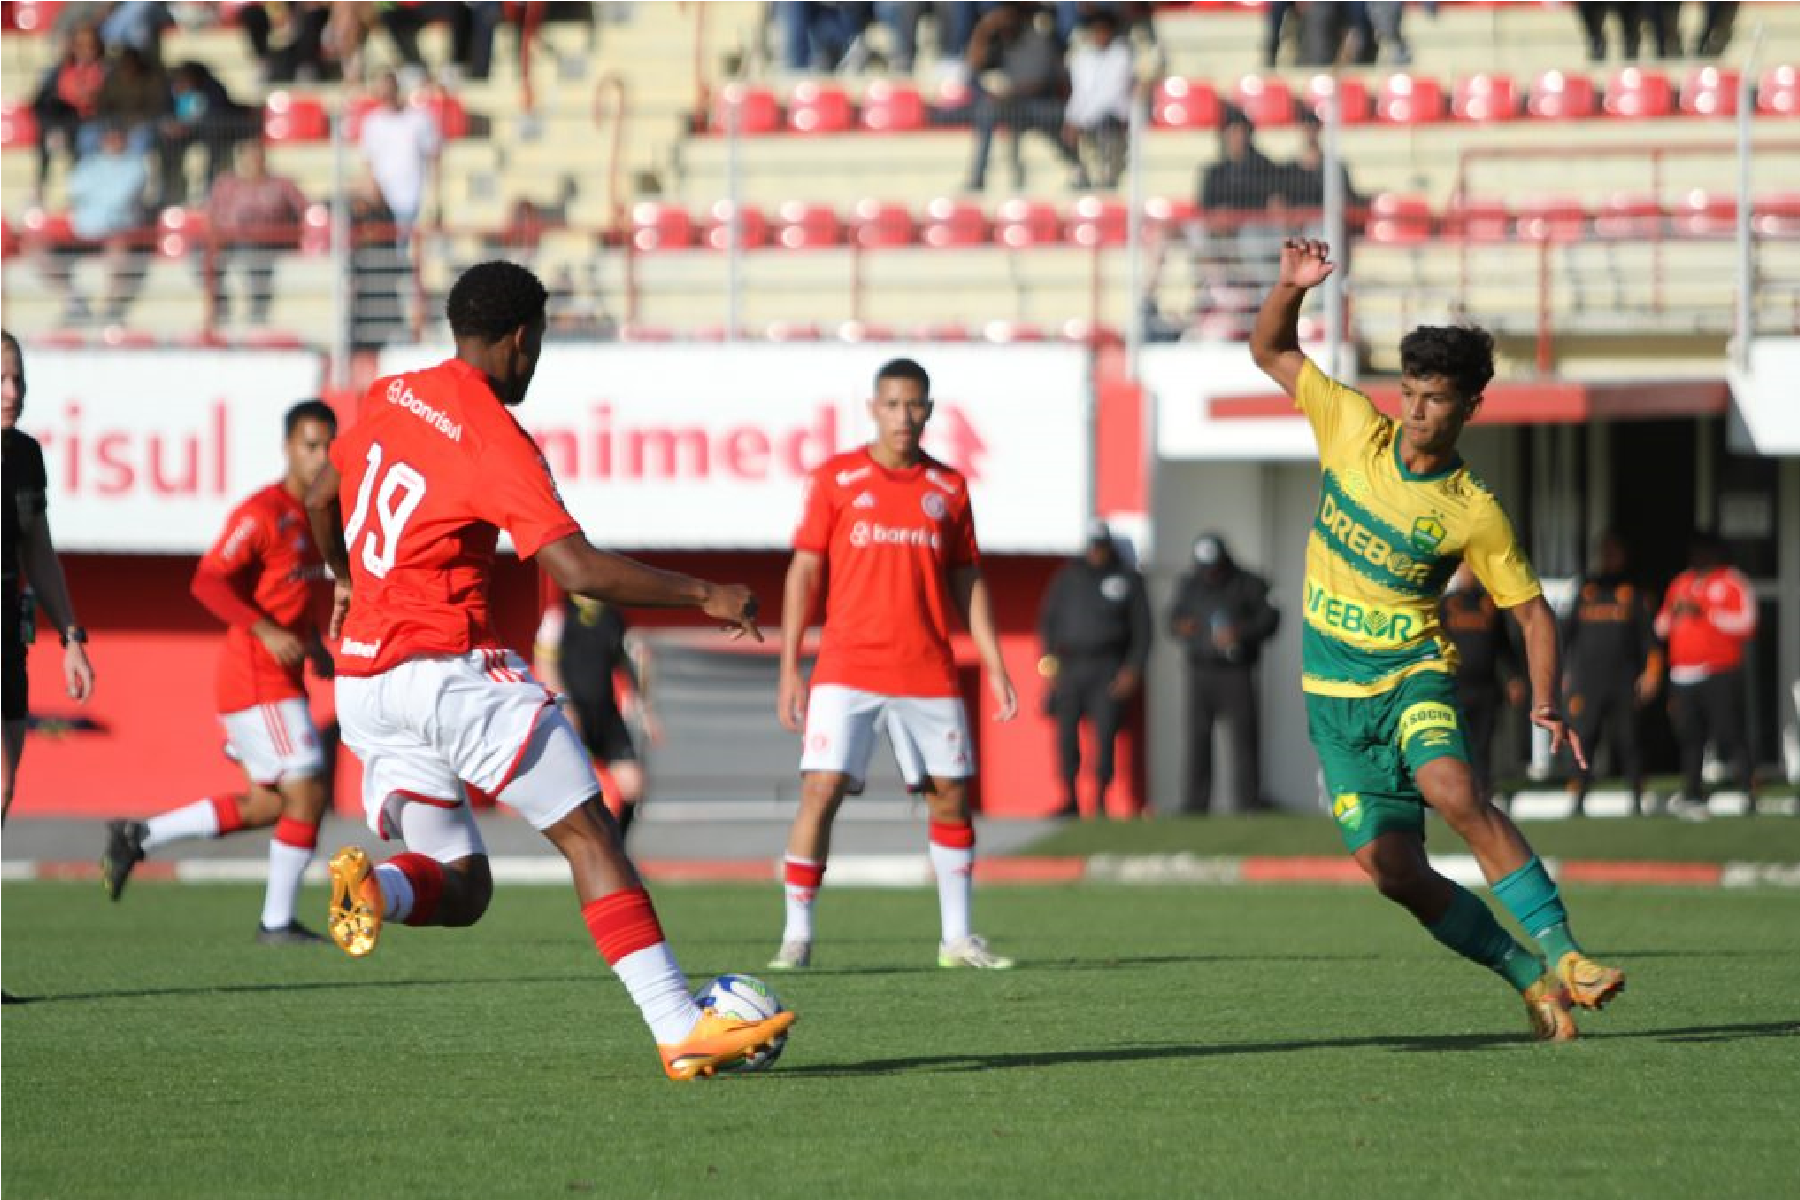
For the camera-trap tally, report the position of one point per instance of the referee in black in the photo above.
(1094, 627)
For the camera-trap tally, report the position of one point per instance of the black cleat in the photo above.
(124, 850)
(291, 934)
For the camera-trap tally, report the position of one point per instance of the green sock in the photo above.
(1469, 928)
(1530, 895)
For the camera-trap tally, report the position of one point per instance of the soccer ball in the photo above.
(745, 999)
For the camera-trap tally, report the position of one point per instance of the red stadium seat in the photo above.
(1629, 215)
(950, 222)
(954, 93)
(1710, 92)
(1019, 223)
(1396, 220)
(754, 108)
(291, 118)
(889, 107)
(882, 223)
(1352, 93)
(1636, 93)
(1551, 219)
(943, 331)
(355, 109)
(1003, 333)
(791, 331)
(1484, 98)
(1098, 221)
(451, 117)
(32, 16)
(1778, 92)
(818, 108)
(1777, 215)
(179, 230)
(1265, 99)
(60, 339)
(1186, 104)
(121, 337)
(752, 232)
(631, 331)
(315, 230)
(270, 339)
(657, 226)
(1410, 100)
(44, 228)
(18, 125)
(1170, 212)
(805, 226)
(862, 331)
(1556, 96)
(1706, 214)
(1084, 332)
(9, 238)
(1478, 220)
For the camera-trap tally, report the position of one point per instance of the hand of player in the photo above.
(78, 672)
(1645, 688)
(321, 659)
(735, 605)
(283, 646)
(1126, 683)
(1305, 262)
(790, 705)
(652, 727)
(1006, 700)
(340, 607)
(1548, 717)
(1515, 692)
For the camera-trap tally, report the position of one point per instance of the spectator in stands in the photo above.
(289, 39)
(400, 146)
(1017, 65)
(1102, 87)
(817, 36)
(134, 99)
(1374, 26)
(472, 29)
(136, 25)
(254, 215)
(1662, 19)
(1242, 181)
(68, 96)
(1709, 619)
(1322, 31)
(204, 115)
(1300, 184)
(1717, 17)
(106, 211)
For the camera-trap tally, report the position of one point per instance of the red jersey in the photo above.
(264, 565)
(434, 468)
(890, 540)
(1711, 640)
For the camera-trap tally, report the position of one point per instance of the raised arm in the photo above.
(578, 566)
(1275, 340)
(969, 589)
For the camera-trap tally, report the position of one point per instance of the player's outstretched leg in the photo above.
(128, 843)
(952, 846)
(412, 888)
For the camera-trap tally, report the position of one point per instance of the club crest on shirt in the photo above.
(1427, 535)
(934, 505)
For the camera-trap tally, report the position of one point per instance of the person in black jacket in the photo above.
(1488, 672)
(1094, 626)
(1222, 615)
(1614, 666)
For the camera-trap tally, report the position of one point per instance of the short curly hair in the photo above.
(1463, 354)
(492, 299)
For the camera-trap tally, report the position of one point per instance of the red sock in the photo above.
(622, 923)
(290, 831)
(230, 815)
(427, 878)
(799, 873)
(953, 837)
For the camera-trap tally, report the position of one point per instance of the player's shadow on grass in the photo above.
(1416, 1044)
(293, 985)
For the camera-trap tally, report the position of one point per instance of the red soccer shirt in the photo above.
(264, 565)
(890, 540)
(434, 468)
(1711, 638)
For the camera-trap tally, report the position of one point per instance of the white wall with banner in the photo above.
(1187, 380)
(706, 446)
(148, 451)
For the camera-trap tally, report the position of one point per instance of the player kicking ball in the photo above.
(435, 467)
(1398, 510)
(265, 579)
(889, 532)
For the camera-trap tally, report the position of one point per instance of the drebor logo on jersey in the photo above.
(874, 533)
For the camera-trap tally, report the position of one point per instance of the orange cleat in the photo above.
(356, 902)
(1547, 1006)
(1588, 984)
(718, 1042)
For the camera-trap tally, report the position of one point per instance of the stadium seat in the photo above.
(1396, 220)
(632, 331)
(1098, 221)
(1778, 92)
(355, 109)
(862, 331)
(1352, 94)
(9, 238)
(950, 222)
(942, 331)
(33, 16)
(1477, 219)
(878, 223)
(753, 227)
(754, 108)
(1556, 96)
(180, 230)
(818, 108)
(41, 227)
(1171, 212)
(1020, 223)
(1777, 215)
(448, 111)
(18, 125)
(291, 118)
(315, 230)
(269, 339)
(1265, 99)
(658, 226)
(807, 226)
(60, 339)
(889, 107)
(1410, 100)
(1005, 333)
(1551, 219)
(1706, 214)
(123, 337)
(791, 331)
(1638, 93)
(1484, 98)
(1710, 92)
(1084, 332)
(1629, 215)
(1186, 104)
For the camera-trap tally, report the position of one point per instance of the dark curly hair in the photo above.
(309, 410)
(904, 368)
(492, 299)
(1463, 354)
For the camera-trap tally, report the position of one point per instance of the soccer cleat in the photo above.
(1547, 1007)
(291, 934)
(124, 850)
(356, 902)
(793, 956)
(717, 1042)
(972, 951)
(1588, 984)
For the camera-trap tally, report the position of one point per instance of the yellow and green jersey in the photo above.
(1384, 544)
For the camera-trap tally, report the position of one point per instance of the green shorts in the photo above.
(1371, 746)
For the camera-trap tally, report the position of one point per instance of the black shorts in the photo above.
(18, 686)
(603, 730)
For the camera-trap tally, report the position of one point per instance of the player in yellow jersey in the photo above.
(1397, 511)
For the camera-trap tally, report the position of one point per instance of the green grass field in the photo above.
(1155, 1042)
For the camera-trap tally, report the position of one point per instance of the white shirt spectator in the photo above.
(1100, 84)
(399, 146)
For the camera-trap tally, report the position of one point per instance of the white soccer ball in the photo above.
(743, 998)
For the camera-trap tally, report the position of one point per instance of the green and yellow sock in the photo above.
(1530, 895)
(1469, 928)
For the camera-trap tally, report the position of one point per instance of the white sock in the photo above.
(800, 900)
(396, 892)
(286, 865)
(197, 820)
(660, 991)
(955, 869)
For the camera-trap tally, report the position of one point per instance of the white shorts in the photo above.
(275, 742)
(930, 734)
(430, 726)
